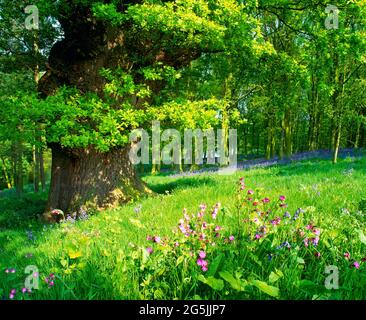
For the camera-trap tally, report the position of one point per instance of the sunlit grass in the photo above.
(88, 257)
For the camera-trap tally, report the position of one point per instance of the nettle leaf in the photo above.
(264, 287)
(216, 284)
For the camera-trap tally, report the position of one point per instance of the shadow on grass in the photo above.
(180, 183)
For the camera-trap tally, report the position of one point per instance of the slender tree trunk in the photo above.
(18, 164)
(41, 170)
(287, 134)
(337, 140)
(357, 138)
(36, 171)
(6, 176)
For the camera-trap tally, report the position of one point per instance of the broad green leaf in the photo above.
(236, 284)
(264, 287)
(362, 236)
(216, 284)
(275, 276)
(300, 260)
(214, 265)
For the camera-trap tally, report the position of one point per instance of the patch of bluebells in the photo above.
(31, 237)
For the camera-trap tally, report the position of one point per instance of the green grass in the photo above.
(104, 257)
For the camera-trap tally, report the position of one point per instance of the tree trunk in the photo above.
(36, 168)
(41, 170)
(6, 176)
(18, 166)
(92, 179)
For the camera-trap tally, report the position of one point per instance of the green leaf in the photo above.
(300, 260)
(264, 287)
(214, 265)
(275, 276)
(361, 236)
(236, 284)
(216, 284)
(180, 260)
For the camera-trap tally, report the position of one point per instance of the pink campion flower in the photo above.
(11, 296)
(202, 236)
(157, 239)
(241, 179)
(149, 250)
(356, 265)
(250, 199)
(182, 228)
(255, 220)
(204, 225)
(186, 216)
(202, 254)
(283, 205)
(257, 236)
(215, 211)
(317, 254)
(231, 238)
(199, 262)
(250, 191)
(255, 203)
(217, 235)
(218, 228)
(282, 198)
(203, 207)
(204, 268)
(176, 244)
(347, 255)
(317, 231)
(302, 233)
(35, 275)
(13, 291)
(306, 242)
(7, 271)
(315, 241)
(24, 290)
(242, 187)
(309, 227)
(266, 200)
(12, 271)
(149, 238)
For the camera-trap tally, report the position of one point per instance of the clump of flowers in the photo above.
(195, 236)
(50, 280)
